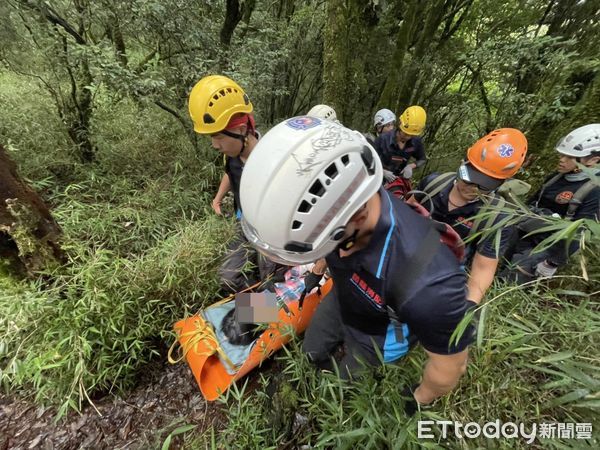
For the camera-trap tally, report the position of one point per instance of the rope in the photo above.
(203, 332)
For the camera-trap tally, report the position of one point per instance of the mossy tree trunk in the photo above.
(347, 46)
(28, 233)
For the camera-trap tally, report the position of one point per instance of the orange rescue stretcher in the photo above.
(202, 351)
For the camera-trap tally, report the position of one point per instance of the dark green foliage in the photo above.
(94, 111)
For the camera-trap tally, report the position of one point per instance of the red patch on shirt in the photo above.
(366, 289)
(564, 197)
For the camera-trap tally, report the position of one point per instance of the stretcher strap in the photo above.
(203, 332)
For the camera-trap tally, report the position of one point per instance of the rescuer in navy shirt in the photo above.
(456, 198)
(568, 193)
(398, 147)
(316, 193)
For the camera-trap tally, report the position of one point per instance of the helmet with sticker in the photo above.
(302, 184)
(499, 154)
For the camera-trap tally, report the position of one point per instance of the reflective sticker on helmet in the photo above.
(505, 150)
(463, 173)
(335, 208)
(303, 123)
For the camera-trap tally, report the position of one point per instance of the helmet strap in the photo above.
(243, 138)
(349, 242)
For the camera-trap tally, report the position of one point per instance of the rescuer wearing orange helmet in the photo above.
(454, 198)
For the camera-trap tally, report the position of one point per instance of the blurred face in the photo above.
(468, 191)
(228, 145)
(402, 137)
(385, 128)
(566, 164)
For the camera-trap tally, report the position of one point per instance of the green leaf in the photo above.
(555, 357)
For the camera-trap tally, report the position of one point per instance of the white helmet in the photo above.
(322, 112)
(383, 117)
(581, 142)
(302, 184)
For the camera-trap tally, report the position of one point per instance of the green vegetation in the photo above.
(95, 117)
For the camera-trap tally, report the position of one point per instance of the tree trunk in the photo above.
(234, 13)
(346, 57)
(28, 233)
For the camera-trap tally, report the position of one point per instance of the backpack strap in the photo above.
(437, 185)
(546, 185)
(578, 198)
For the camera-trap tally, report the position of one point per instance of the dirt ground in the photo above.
(168, 398)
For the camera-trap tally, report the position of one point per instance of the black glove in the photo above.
(312, 281)
(410, 403)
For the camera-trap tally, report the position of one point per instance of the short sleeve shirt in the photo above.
(435, 301)
(461, 220)
(234, 168)
(392, 157)
(556, 198)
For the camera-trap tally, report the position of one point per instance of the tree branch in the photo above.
(52, 16)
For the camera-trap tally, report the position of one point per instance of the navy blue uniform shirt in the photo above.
(395, 159)
(556, 198)
(435, 301)
(234, 168)
(457, 219)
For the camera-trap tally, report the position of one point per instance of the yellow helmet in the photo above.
(412, 120)
(213, 101)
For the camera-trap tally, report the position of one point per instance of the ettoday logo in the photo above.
(503, 430)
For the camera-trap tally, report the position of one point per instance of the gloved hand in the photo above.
(545, 269)
(410, 403)
(407, 172)
(311, 281)
(388, 176)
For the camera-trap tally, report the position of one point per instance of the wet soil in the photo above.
(166, 398)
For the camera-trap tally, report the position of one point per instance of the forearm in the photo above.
(224, 187)
(483, 270)
(320, 266)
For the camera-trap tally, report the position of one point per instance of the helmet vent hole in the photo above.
(210, 104)
(317, 188)
(345, 160)
(304, 207)
(296, 225)
(222, 92)
(331, 171)
(216, 97)
(208, 118)
(313, 200)
(328, 182)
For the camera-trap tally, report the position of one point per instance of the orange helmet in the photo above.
(499, 154)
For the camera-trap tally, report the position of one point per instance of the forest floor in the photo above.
(166, 397)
